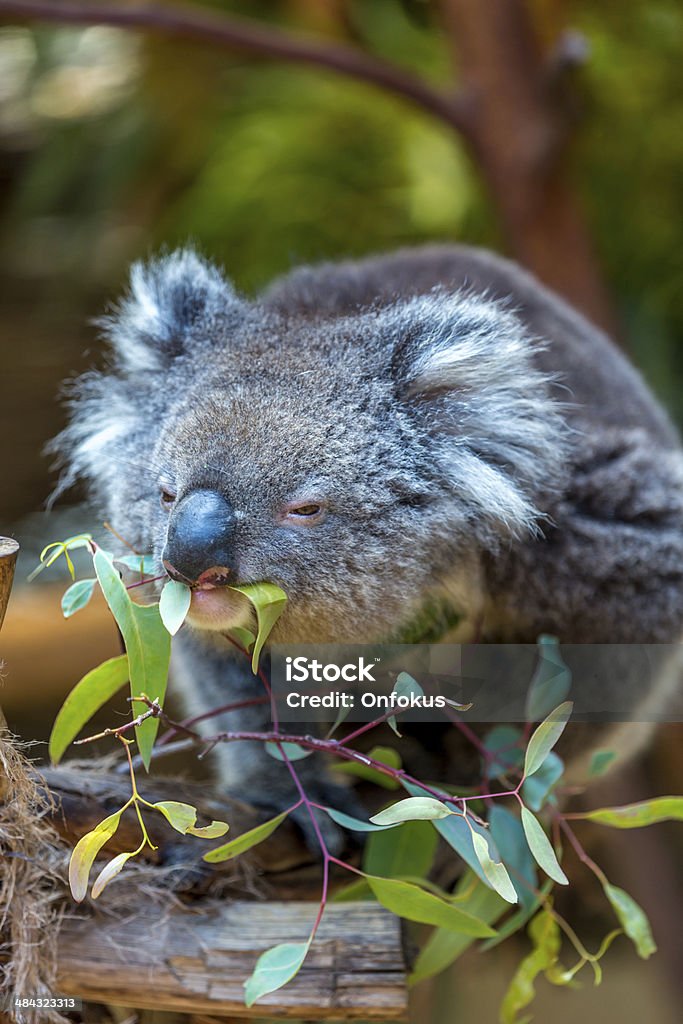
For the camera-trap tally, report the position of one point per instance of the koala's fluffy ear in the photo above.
(464, 364)
(174, 302)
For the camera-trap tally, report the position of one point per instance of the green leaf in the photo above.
(148, 644)
(545, 935)
(358, 890)
(443, 946)
(503, 742)
(408, 850)
(181, 816)
(269, 602)
(214, 830)
(385, 755)
(537, 787)
(495, 871)
(404, 686)
(551, 681)
(355, 824)
(541, 848)
(410, 901)
(545, 736)
(648, 812)
(245, 842)
(244, 637)
(413, 808)
(519, 918)
(275, 968)
(85, 851)
(174, 605)
(87, 697)
(457, 832)
(632, 919)
(109, 872)
(59, 548)
(77, 596)
(289, 751)
(600, 762)
(508, 834)
(144, 564)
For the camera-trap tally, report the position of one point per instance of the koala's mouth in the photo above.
(215, 605)
(213, 578)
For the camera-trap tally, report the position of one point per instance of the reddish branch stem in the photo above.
(249, 36)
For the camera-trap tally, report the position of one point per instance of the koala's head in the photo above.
(358, 462)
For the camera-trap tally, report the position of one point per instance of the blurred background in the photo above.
(549, 130)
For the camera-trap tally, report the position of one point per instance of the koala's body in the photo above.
(371, 435)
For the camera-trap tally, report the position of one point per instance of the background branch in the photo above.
(242, 34)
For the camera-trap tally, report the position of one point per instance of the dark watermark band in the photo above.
(606, 682)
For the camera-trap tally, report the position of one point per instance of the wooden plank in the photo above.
(198, 962)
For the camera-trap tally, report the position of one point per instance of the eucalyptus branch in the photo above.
(322, 746)
(249, 36)
(153, 711)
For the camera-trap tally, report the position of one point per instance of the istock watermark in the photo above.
(607, 682)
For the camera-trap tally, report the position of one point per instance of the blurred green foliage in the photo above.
(113, 144)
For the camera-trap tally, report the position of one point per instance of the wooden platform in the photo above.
(198, 961)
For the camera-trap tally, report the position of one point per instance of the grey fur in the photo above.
(469, 431)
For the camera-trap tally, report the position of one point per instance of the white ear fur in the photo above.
(172, 301)
(466, 363)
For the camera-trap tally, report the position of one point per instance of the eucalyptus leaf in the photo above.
(398, 852)
(148, 645)
(174, 605)
(87, 697)
(145, 565)
(538, 787)
(413, 808)
(457, 832)
(269, 603)
(545, 736)
(181, 816)
(355, 824)
(275, 968)
(648, 812)
(77, 596)
(85, 852)
(404, 686)
(245, 842)
(632, 919)
(385, 755)
(545, 935)
(214, 830)
(410, 901)
(551, 682)
(600, 762)
(443, 946)
(289, 751)
(503, 743)
(508, 834)
(109, 872)
(244, 637)
(495, 871)
(541, 847)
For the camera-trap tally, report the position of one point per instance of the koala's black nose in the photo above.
(200, 536)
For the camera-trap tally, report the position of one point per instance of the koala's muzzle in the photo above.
(200, 539)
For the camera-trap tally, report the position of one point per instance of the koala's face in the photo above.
(314, 484)
(356, 462)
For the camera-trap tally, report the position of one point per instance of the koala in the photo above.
(371, 436)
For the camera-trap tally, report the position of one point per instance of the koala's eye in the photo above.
(306, 514)
(166, 496)
(305, 510)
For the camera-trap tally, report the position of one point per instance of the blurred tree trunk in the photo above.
(519, 127)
